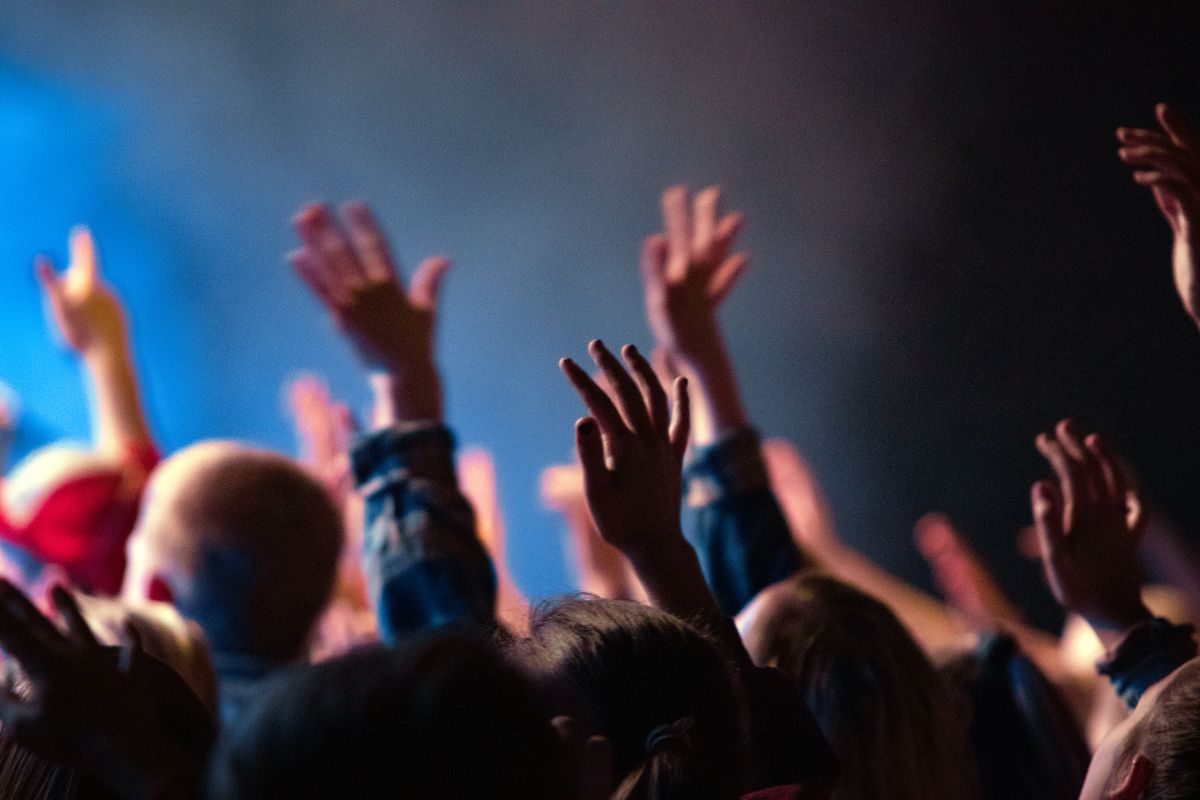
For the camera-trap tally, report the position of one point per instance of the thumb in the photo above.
(654, 259)
(426, 282)
(1046, 501)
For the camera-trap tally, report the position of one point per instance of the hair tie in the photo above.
(677, 733)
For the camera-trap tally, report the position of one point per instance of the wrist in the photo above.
(716, 402)
(106, 351)
(1112, 624)
(408, 396)
(660, 554)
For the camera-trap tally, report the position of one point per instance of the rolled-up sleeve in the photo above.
(736, 525)
(424, 565)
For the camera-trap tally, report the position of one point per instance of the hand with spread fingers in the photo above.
(1088, 535)
(348, 265)
(1168, 161)
(324, 429)
(631, 448)
(91, 709)
(686, 273)
(689, 270)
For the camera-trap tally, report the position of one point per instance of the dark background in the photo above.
(948, 254)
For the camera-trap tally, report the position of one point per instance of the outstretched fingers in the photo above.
(590, 447)
(370, 243)
(601, 408)
(333, 254)
(652, 391)
(629, 398)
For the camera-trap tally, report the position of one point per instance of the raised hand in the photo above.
(631, 449)
(323, 431)
(92, 709)
(1168, 161)
(686, 273)
(477, 477)
(1088, 535)
(86, 312)
(689, 269)
(91, 320)
(349, 266)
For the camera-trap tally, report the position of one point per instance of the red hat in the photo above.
(77, 512)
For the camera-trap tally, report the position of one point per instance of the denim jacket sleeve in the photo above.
(738, 528)
(424, 565)
(1149, 652)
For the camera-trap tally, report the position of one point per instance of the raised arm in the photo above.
(1089, 534)
(1167, 161)
(812, 525)
(424, 564)
(88, 316)
(631, 449)
(739, 531)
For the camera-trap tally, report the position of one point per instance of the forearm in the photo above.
(118, 417)
(674, 582)
(600, 567)
(717, 408)
(409, 395)
(929, 620)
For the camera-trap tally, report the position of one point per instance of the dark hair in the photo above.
(653, 685)
(896, 727)
(442, 716)
(1026, 741)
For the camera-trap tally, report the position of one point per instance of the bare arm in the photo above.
(91, 320)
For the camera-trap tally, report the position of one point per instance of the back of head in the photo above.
(246, 542)
(655, 687)
(442, 717)
(1170, 738)
(896, 727)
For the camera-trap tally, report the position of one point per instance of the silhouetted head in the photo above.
(652, 685)
(243, 541)
(1155, 753)
(441, 717)
(897, 728)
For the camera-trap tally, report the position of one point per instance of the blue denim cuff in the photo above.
(729, 467)
(1150, 651)
(424, 449)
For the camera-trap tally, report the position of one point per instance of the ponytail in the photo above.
(671, 768)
